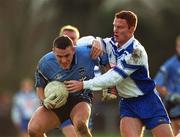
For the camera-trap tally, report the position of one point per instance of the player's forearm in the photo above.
(104, 68)
(111, 78)
(40, 93)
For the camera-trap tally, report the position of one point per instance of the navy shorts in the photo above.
(63, 112)
(148, 108)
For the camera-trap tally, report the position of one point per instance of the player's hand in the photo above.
(50, 101)
(109, 94)
(74, 85)
(96, 49)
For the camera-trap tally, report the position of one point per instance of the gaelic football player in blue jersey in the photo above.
(64, 63)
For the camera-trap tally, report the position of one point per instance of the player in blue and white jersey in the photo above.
(140, 104)
(64, 63)
(168, 85)
(25, 102)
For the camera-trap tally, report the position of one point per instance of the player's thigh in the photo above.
(131, 127)
(43, 120)
(176, 125)
(81, 112)
(162, 130)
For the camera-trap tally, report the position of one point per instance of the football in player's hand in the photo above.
(56, 95)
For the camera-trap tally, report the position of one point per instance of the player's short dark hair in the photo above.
(129, 16)
(62, 42)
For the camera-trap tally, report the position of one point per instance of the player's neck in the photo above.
(73, 62)
(123, 43)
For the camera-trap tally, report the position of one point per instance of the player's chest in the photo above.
(115, 56)
(77, 72)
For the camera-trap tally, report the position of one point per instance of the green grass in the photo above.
(58, 134)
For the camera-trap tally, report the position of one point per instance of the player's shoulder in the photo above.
(171, 62)
(85, 41)
(47, 59)
(48, 56)
(83, 50)
(109, 40)
(135, 54)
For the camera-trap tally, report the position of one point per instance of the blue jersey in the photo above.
(169, 75)
(82, 67)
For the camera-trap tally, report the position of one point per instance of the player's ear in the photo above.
(73, 49)
(132, 29)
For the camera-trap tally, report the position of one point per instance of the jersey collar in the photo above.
(124, 46)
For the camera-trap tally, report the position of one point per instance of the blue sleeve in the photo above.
(103, 59)
(41, 80)
(162, 75)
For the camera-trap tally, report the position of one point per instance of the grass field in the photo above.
(58, 134)
(100, 135)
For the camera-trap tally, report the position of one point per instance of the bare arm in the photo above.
(40, 93)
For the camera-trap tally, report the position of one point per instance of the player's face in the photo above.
(72, 35)
(122, 32)
(64, 56)
(27, 86)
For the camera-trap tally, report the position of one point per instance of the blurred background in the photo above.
(28, 27)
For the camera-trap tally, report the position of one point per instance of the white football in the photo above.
(59, 92)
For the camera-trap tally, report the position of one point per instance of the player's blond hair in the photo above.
(69, 28)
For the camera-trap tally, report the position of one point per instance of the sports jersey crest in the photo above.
(82, 75)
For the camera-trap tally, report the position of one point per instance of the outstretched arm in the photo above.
(111, 78)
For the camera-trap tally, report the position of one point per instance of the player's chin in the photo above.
(65, 66)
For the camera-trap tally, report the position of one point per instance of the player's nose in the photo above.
(63, 60)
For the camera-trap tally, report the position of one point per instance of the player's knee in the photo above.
(82, 128)
(34, 130)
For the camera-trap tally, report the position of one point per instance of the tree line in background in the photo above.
(28, 28)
